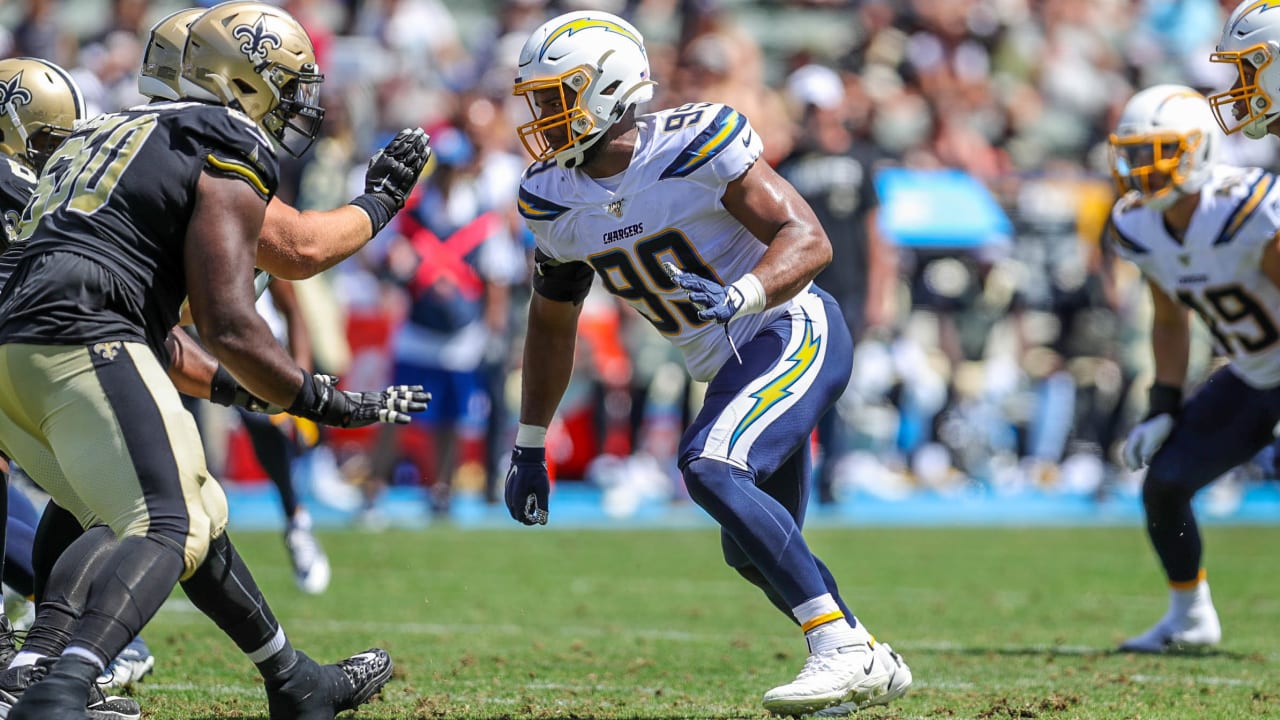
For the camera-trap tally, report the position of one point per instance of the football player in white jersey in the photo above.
(1205, 237)
(675, 215)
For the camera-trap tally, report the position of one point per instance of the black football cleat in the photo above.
(38, 692)
(319, 692)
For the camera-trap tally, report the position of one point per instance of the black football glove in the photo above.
(226, 391)
(320, 400)
(392, 173)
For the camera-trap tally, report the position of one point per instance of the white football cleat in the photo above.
(856, 674)
(1196, 626)
(310, 564)
(898, 684)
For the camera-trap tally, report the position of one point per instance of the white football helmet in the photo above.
(1165, 145)
(1251, 42)
(597, 64)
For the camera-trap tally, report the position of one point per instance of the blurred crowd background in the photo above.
(954, 149)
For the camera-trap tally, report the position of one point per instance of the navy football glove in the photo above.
(528, 485)
(713, 300)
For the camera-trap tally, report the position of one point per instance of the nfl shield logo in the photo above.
(614, 208)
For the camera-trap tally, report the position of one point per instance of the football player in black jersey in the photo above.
(292, 245)
(136, 211)
(40, 105)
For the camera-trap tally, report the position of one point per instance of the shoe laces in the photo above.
(361, 668)
(16, 679)
(304, 548)
(825, 662)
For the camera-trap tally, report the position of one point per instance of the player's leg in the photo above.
(1223, 425)
(789, 485)
(275, 453)
(756, 415)
(165, 507)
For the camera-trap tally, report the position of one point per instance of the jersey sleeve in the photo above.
(233, 146)
(16, 184)
(723, 148)
(1119, 232)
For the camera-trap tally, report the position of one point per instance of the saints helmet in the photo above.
(597, 66)
(1165, 145)
(258, 59)
(39, 107)
(1250, 43)
(162, 59)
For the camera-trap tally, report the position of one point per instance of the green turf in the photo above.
(649, 624)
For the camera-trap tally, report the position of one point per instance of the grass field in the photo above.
(649, 624)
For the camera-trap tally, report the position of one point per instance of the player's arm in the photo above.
(558, 291)
(548, 358)
(299, 244)
(771, 209)
(220, 249)
(1171, 347)
(1170, 338)
(286, 302)
(191, 367)
(882, 274)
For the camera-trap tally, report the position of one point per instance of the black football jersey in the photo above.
(16, 183)
(106, 225)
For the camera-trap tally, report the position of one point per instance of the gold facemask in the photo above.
(1151, 164)
(533, 134)
(1248, 63)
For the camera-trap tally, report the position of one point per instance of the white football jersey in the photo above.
(1216, 269)
(664, 208)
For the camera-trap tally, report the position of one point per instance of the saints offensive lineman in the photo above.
(113, 248)
(293, 245)
(677, 217)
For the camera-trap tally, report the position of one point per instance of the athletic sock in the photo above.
(825, 626)
(1184, 596)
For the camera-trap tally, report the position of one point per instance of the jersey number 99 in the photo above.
(640, 286)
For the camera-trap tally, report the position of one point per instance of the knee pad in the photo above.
(707, 479)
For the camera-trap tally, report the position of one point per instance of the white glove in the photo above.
(1145, 439)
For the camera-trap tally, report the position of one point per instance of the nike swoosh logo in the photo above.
(871, 664)
(746, 139)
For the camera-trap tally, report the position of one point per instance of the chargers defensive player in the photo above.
(677, 217)
(1205, 238)
(135, 211)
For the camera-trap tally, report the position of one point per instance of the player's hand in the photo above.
(528, 486)
(324, 403)
(713, 300)
(394, 169)
(1145, 439)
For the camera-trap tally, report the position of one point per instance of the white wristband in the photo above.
(530, 436)
(752, 291)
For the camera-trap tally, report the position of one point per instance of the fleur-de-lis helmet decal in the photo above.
(258, 41)
(39, 107)
(13, 94)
